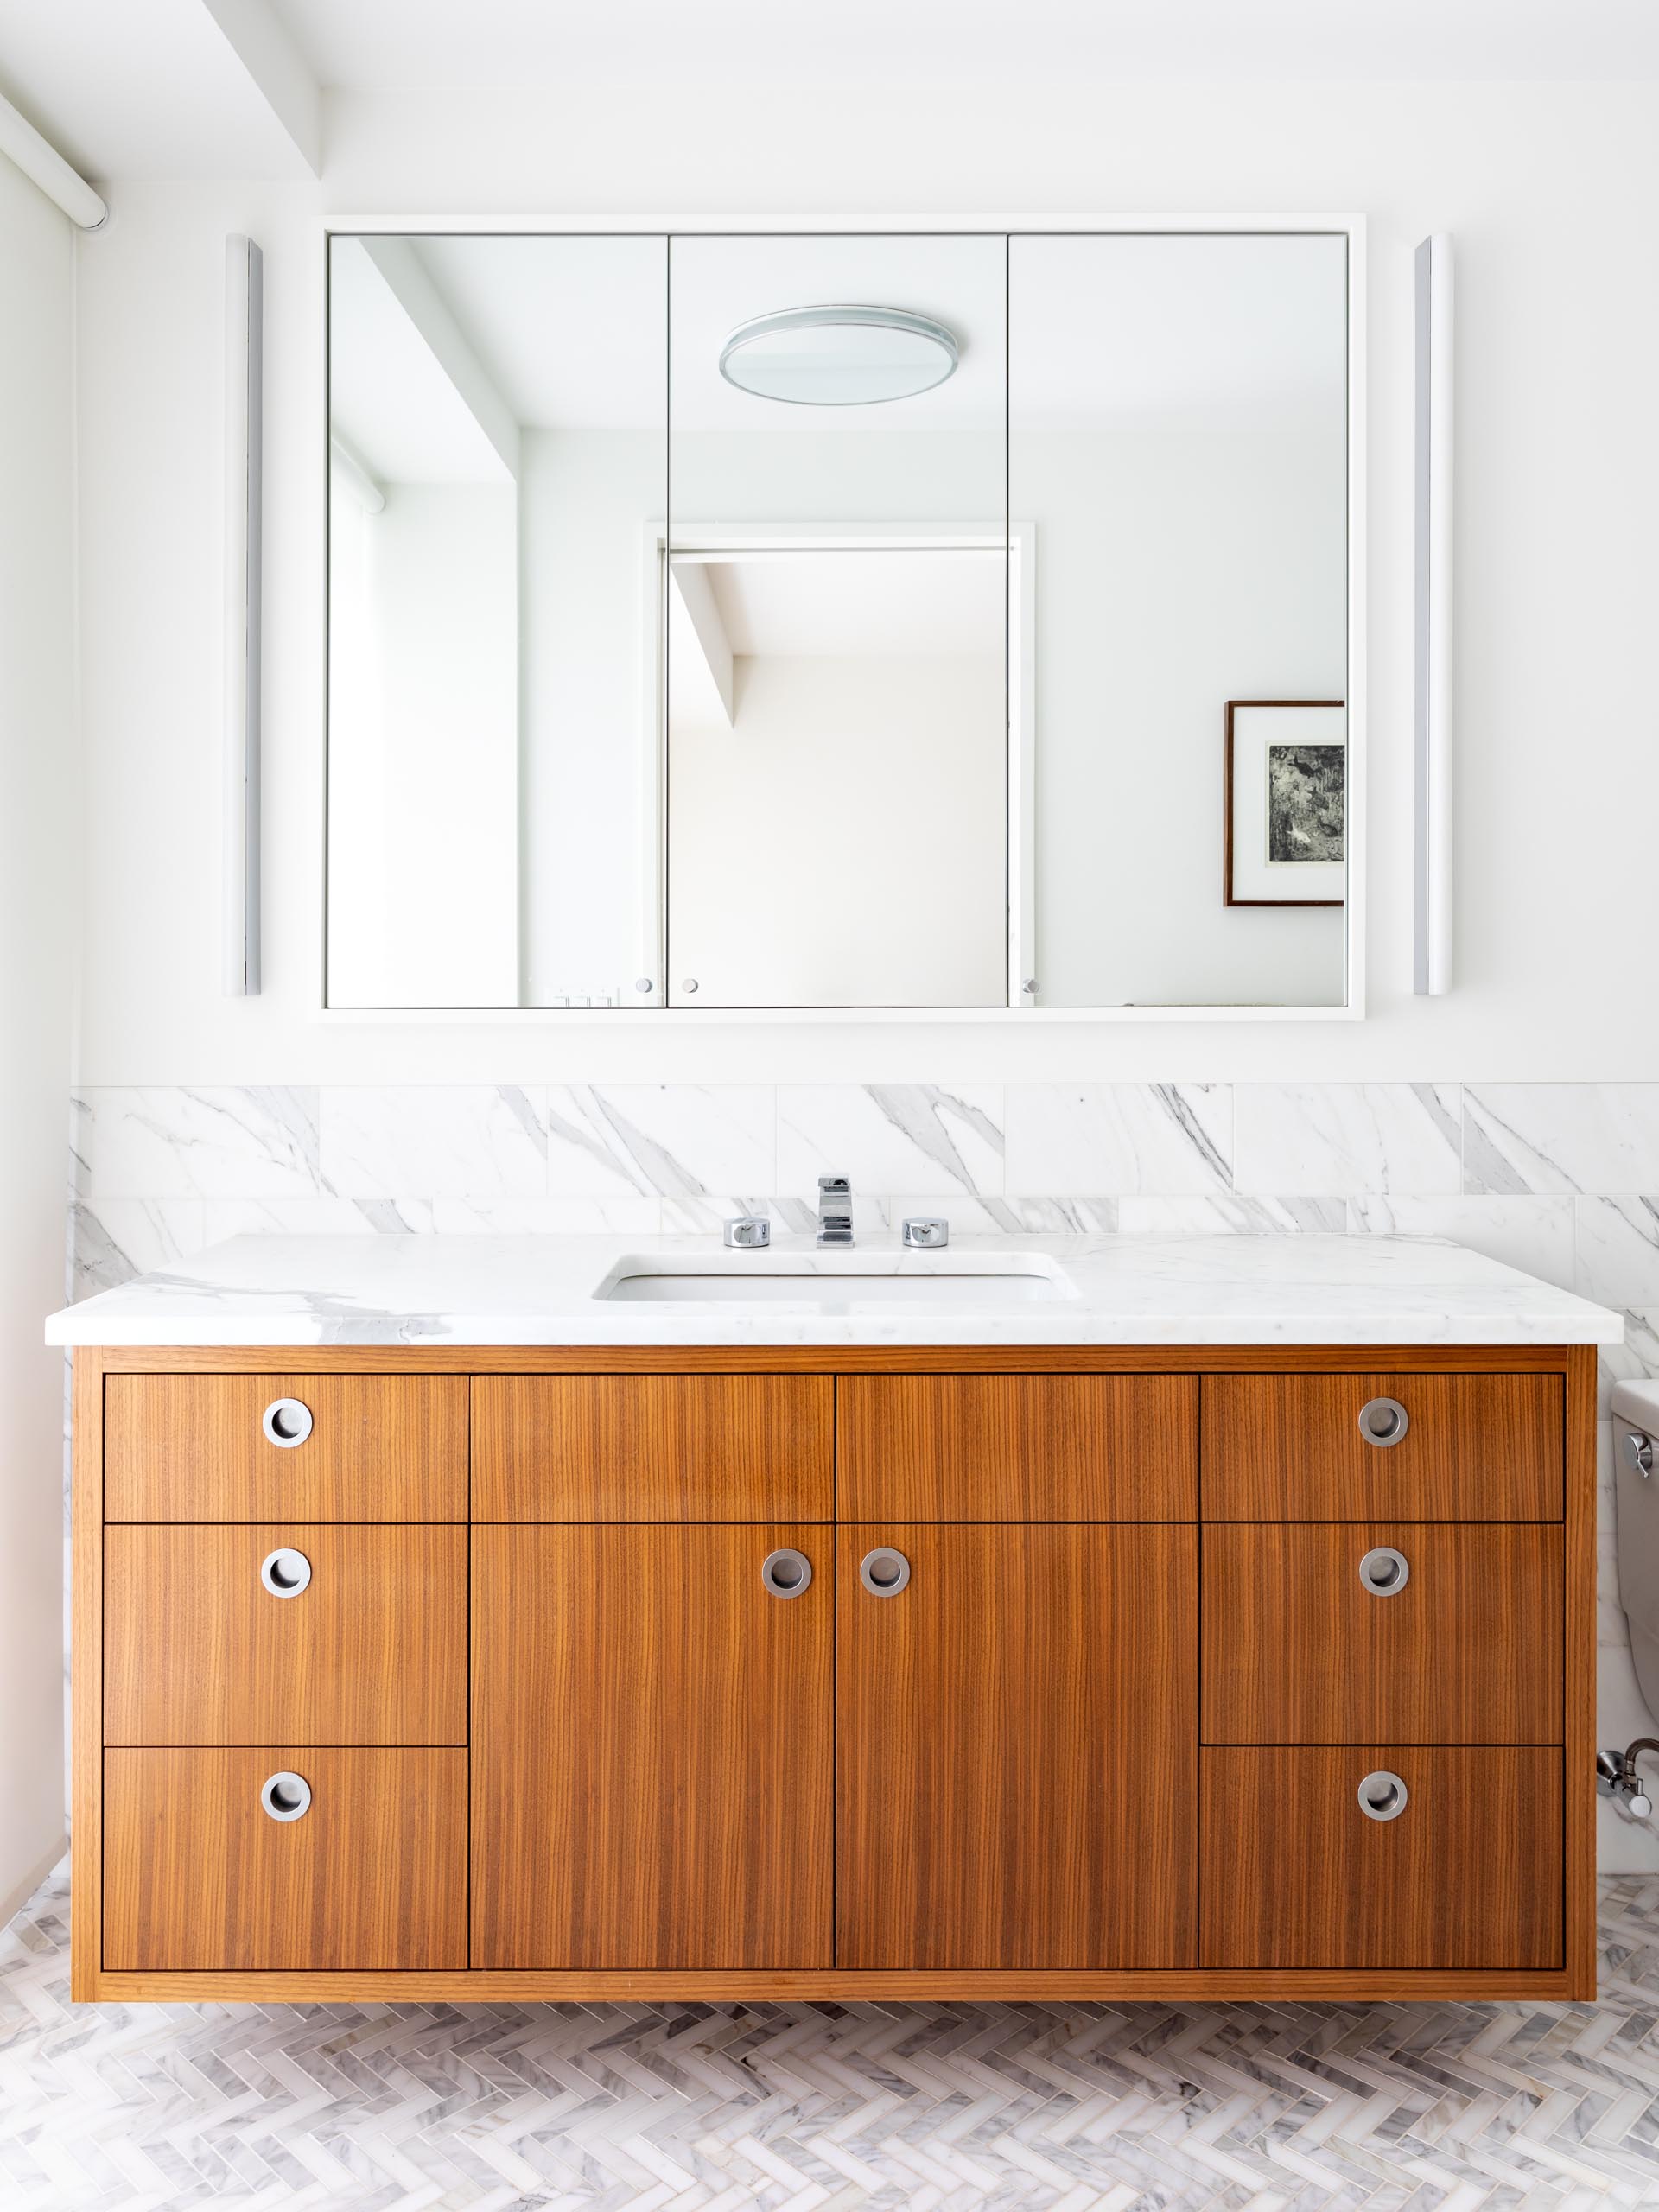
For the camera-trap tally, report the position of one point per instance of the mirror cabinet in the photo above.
(959, 621)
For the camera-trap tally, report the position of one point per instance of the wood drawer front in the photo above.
(198, 1876)
(1468, 1876)
(1018, 1448)
(1477, 1447)
(198, 1651)
(653, 1448)
(193, 1447)
(1298, 1650)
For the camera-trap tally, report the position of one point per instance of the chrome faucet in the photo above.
(834, 1209)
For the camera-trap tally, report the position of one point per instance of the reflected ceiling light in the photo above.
(838, 356)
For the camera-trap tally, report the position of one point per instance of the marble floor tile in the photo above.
(939, 2107)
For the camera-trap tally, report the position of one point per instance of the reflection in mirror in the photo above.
(837, 820)
(497, 422)
(1178, 437)
(837, 711)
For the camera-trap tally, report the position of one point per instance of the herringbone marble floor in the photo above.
(794, 2107)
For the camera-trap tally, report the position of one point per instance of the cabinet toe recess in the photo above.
(877, 1673)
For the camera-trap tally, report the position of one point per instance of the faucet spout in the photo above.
(834, 1209)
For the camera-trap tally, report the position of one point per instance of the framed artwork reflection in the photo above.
(1285, 802)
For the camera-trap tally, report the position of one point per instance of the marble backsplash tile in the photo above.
(1562, 1179)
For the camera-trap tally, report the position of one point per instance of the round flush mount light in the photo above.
(838, 356)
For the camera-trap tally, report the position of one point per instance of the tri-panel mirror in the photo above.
(852, 621)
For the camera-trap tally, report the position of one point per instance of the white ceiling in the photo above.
(373, 44)
(852, 604)
(395, 407)
(140, 88)
(153, 88)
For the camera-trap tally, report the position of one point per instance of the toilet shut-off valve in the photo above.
(1617, 1777)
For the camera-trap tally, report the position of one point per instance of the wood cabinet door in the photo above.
(1017, 1737)
(653, 1748)
(1461, 1643)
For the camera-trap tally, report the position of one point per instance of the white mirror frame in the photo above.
(1020, 754)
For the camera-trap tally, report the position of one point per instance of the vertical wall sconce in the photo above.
(1432, 949)
(243, 400)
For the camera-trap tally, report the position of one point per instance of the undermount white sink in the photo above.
(844, 1279)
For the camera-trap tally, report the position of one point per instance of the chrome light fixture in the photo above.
(839, 356)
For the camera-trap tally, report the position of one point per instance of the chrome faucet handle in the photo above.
(924, 1232)
(834, 1209)
(748, 1232)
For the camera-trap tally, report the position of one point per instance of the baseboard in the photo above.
(12, 1901)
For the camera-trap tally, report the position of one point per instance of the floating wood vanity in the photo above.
(864, 1670)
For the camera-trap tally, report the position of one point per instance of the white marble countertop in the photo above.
(465, 1290)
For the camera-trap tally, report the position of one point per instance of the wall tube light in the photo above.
(1432, 929)
(244, 398)
(44, 165)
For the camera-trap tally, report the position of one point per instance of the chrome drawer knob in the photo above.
(884, 1572)
(787, 1573)
(1382, 1795)
(1383, 1420)
(285, 1573)
(1385, 1572)
(286, 1796)
(287, 1422)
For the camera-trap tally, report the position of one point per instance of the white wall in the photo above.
(1549, 192)
(38, 967)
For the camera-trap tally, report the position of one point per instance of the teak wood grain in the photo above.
(191, 1447)
(1016, 1741)
(1288, 1447)
(1565, 1882)
(197, 1876)
(1469, 1875)
(1298, 1650)
(652, 1749)
(660, 1448)
(372, 1650)
(1018, 1448)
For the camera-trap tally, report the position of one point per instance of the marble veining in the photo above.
(658, 2106)
(1171, 1138)
(533, 1290)
(1347, 1139)
(1558, 1180)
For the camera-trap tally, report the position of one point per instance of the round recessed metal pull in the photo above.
(286, 1796)
(1383, 1420)
(884, 1572)
(1382, 1795)
(1384, 1571)
(287, 1422)
(285, 1573)
(787, 1573)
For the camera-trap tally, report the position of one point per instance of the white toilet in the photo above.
(1636, 1449)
